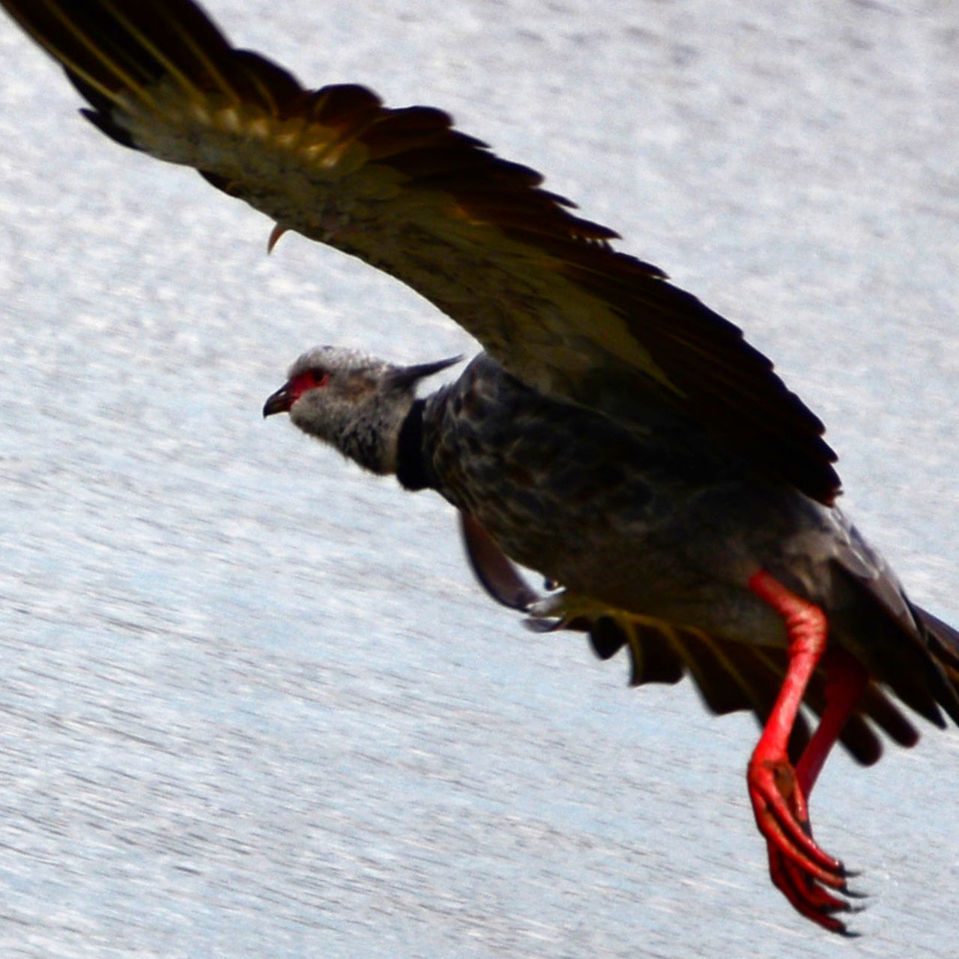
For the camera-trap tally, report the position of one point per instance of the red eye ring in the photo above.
(311, 379)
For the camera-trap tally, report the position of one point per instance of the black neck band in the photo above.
(410, 463)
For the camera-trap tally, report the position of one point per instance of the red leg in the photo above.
(846, 680)
(797, 866)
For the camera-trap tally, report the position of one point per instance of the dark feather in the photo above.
(475, 234)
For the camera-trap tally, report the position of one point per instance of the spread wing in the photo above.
(401, 189)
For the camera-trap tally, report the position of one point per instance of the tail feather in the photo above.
(888, 717)
(943, 640)
(942, 643)
(905, 648)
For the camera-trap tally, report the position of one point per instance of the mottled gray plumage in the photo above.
(658, 522)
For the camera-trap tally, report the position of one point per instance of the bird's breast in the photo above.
(638, 518)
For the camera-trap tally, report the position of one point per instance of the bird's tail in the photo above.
(942, 642)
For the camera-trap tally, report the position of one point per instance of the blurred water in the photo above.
(252, 703)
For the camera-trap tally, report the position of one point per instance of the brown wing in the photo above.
(399, 188)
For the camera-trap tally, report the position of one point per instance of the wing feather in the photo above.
(539, 286)
(730, 675)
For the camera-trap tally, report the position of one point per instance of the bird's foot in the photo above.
(799, 869)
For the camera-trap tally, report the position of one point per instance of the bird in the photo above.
(615, 435)
(649, 538)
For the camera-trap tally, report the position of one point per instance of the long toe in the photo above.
(780, 812)
(807, 896)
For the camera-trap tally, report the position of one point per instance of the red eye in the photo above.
(307, 380)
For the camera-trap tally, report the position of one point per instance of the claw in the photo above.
(805, 896)
(799, 869)
(781, 816)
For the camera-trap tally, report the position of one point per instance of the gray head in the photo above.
(352, 401)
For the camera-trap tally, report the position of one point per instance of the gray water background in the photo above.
(251, 703)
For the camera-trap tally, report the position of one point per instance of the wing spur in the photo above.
(402, 190)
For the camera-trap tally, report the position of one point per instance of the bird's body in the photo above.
(654, 520)
(620, 437)
(657, 522)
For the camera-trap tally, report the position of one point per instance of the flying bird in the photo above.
(616, 435)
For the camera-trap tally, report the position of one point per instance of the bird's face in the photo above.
(326, 389)
(351, 401)
(330, 378)
(348, 400)
(283, 400)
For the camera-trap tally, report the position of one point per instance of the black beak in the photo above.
(279, 402)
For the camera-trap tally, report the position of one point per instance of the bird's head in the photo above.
(352, 401)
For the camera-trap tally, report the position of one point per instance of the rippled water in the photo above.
(250, 702)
